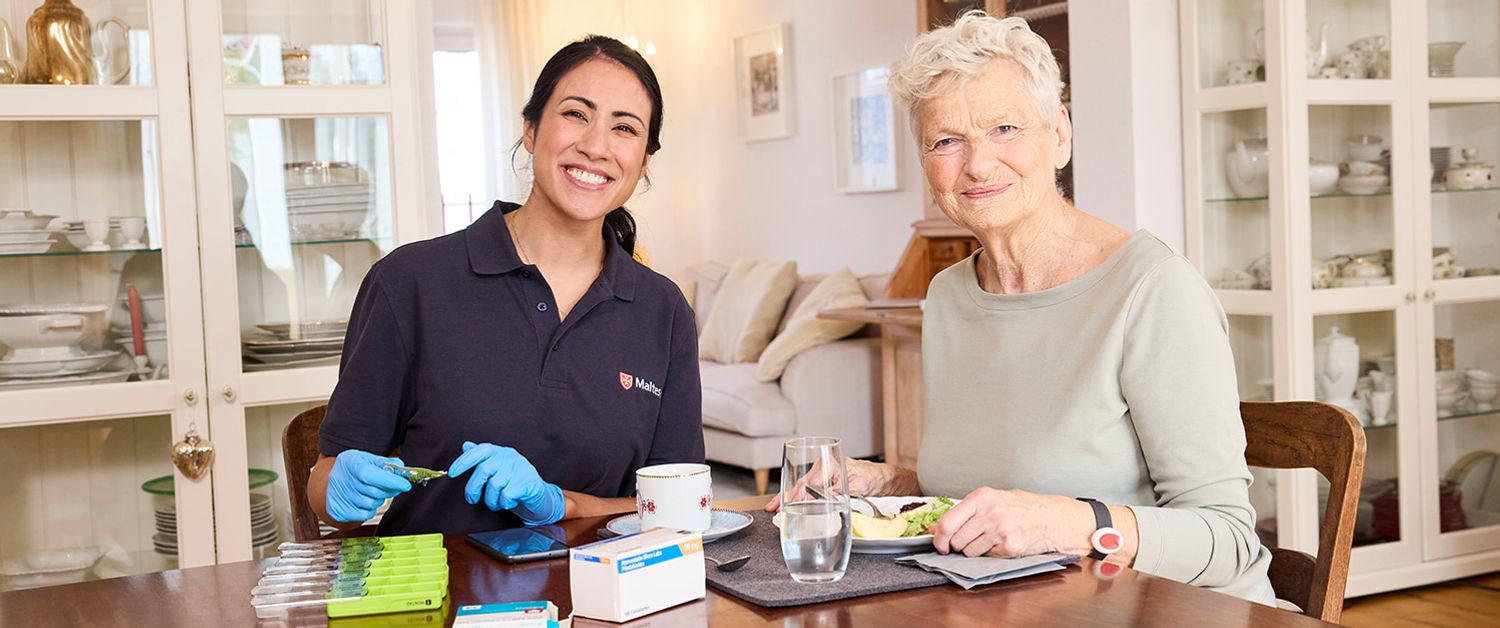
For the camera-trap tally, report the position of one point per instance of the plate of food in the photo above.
(902, 530)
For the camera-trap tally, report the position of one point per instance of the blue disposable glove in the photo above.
(507, 481)
(359, 483)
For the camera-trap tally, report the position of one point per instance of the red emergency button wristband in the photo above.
(1106, 539)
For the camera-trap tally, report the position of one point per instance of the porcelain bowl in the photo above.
(1363, 185)
(40, 334)
(1322, 177)
(22, 219)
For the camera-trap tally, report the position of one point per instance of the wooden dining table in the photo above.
(1088, 593)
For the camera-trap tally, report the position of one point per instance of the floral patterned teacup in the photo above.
(676, 496)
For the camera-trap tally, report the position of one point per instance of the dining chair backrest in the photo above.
(299, 450)
(1325, 437)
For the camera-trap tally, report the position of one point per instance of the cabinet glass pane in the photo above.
(1353, 224)
(76, 506)
(312, 213)
(1468, 370)
(1236, 210)
(117, 53)
(1231, 42)
(1353, 365)
(1465, 229)
(1463, 38)
(331, 42)
(1349, 39)
(80, 226)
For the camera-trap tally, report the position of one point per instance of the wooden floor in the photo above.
(1470, 602)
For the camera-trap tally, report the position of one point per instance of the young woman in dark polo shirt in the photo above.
(529, 355)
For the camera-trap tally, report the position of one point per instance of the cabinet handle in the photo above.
(190, 396)
(1411, 297)
(228, 393)
(1429, 294)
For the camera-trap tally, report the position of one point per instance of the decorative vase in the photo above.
(59, 41)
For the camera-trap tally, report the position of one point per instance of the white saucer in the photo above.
(724, 523)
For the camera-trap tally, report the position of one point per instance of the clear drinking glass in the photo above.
(815, 533)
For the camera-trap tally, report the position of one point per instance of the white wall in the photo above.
(717, 197)
(1127, 146)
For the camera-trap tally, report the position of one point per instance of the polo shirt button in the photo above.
(526, 274)
(554, 347)
(541, 307)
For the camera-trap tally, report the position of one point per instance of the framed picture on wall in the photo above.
(763, 82)
(864, 133)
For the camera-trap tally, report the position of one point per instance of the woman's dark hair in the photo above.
(618, 222)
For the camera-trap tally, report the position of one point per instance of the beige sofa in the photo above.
(829, 390)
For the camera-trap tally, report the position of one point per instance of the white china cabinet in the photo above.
(1338, 192)
(234, 168)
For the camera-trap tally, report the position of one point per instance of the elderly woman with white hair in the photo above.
(1081, 395)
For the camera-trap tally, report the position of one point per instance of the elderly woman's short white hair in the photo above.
(945, 57)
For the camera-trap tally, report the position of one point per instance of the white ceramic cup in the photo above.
(679, 496)
(132, 228)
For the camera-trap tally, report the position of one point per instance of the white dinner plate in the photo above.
(94, 377)
(724, 523)
(252, 367)
(29, 309)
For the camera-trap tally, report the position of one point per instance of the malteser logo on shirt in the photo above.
(628, 381)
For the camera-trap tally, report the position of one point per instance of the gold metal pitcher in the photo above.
(59, 45)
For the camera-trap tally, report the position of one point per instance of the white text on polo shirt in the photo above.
(628, 381)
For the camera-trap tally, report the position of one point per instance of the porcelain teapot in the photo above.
(1470, 173)
(1247, 166)
(1336, 367)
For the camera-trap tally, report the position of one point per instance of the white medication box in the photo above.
(626, 577)
(541, 614)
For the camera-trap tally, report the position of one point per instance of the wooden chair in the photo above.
(299, 450)
(1309, 434)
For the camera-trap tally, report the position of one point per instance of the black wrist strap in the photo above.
(1101, 520)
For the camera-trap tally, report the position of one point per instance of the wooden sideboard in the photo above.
(935, 244)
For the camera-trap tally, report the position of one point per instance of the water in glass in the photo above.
(815, 539)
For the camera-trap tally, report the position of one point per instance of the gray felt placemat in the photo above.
(765, 581)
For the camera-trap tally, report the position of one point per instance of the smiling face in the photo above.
(989, 156)
(588, 146)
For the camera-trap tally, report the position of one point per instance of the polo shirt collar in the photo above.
(493, 252)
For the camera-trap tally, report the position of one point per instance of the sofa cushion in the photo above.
(746, 310)
(805, 330)
(705, 277)
(734, 400)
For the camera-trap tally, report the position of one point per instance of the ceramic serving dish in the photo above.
(1363, 185)
(23, 219)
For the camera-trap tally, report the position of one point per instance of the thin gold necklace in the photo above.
(520, 248)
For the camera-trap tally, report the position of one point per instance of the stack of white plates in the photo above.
(286, 345)
(327, 212)
(23, 232)
(263, 529)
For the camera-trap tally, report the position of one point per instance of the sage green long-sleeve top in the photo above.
(1118, 385)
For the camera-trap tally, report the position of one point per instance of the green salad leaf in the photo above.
(919, 520)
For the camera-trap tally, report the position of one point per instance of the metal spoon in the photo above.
(729, 565)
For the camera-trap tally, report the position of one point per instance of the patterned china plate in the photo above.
(724, 523)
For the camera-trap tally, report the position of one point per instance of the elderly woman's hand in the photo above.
(868, 479)
(1010, 523)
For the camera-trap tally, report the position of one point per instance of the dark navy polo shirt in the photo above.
(455, 339)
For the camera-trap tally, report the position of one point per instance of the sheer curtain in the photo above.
(509, 36)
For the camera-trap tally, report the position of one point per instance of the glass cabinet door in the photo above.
(315, 215)
(1462, 38)
(82, 296)
(332, 42)
(1236, 205)
(1349, 39)
(1231, 42)
(91, 500)
(1354, 367)
(1352, 212)
(85, 42)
